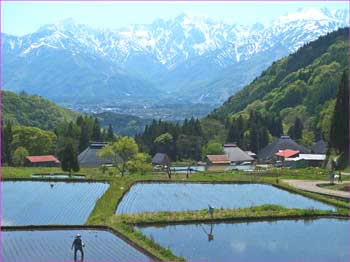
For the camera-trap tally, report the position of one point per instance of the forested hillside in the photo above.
(34, 111)
(299, 89)
(125, 125)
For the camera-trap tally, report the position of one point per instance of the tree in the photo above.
(122, 151)
(164, 143)
(141, 163)
(19, 156)
(296, 130)
(110, 134)
(84, 137)
(339, 133)
(6, 142)
(69, 160)
(35, 140)
(96, 131)
(212, 148)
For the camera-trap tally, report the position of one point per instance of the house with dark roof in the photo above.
(236, 155)
(161, 159)
(320, 147)
(89, 157)
(283, 143)
(42, 161)
(217, 162)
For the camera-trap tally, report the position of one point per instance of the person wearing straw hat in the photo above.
(78, 245)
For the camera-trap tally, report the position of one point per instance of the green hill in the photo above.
(126, 125)
(33, 110)
(302, 85)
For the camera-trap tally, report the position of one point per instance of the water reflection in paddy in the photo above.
(43, 203)
(152, 197)
(55, 245)
(286, 240)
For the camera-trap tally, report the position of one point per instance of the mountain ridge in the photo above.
(163, 59)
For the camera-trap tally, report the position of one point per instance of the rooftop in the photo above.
(47, 158)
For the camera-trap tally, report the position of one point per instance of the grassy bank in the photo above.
(255, 212)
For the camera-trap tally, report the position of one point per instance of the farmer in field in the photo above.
(78, 245)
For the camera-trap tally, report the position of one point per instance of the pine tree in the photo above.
(96, 131)
(69, 159)
(84, 137)
(110, 134)
(339, 133)
(6, 143)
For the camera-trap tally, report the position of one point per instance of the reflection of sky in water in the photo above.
(316, 240)
(152, 197)
(56, 246)
(7, 222)
(37, 203)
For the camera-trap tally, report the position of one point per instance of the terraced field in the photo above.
(55, 245)
(153, 197)
(284, 240)
(48, 203)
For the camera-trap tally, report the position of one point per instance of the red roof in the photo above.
(219, 159)
(287, 153)
(37, 159)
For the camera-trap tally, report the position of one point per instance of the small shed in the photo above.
(161, 159)
(42, 161)
(217, 162)
(305, 160)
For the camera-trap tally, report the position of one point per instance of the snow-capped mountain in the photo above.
(192, 58)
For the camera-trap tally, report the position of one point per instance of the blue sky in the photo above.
(19, 18)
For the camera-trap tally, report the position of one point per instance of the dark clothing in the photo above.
(81, 252)
(78, 245)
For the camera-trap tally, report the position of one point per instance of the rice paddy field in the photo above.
(48, 203)
(55, 245)
(284, 240)
(154, 197)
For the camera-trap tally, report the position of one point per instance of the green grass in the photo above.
(341, 187)
(256, 212)
(104, 210)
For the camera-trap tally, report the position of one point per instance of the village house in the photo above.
(236, 155)
(89, 157)
(267, 154)
(161, 159)
(42, 161)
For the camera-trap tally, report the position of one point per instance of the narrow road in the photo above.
(311, 186)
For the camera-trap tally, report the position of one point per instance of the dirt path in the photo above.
(311, 186)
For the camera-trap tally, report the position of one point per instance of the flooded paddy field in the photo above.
(48, 203)
(154, 197)
(284, 240)
(55, 245)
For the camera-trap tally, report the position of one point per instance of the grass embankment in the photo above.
(342, 187)
(104, 211)
(257, 212)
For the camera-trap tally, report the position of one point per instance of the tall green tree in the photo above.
(19, 156)
(6, 142)
(69, 160)
(339, 133)
(110, 133)
(122, 151)
(212, 148)
(96, 131)
(296, 130)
